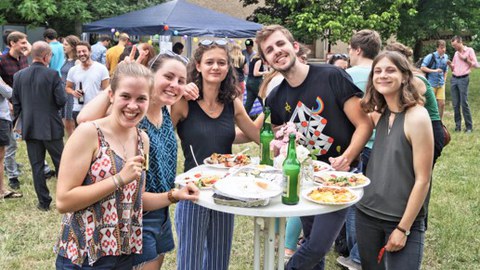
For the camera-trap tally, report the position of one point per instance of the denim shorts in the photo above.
(123, 262)
(5, 130)
(157, 235)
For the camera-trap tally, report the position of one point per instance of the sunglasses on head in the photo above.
(208, 42)
(340, 55)
(170, 54)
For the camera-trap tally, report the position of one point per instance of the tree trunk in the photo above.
(417, 50)
(78, 28)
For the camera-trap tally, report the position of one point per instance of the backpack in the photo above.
(418, 64)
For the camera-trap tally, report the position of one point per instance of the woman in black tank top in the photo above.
(207, 124)
(393, 206)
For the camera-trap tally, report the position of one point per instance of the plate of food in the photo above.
(264, 172)
(341, 179)
(202, 180)
(330, 195)
(225, 161)
(246, 188)
(320, 166)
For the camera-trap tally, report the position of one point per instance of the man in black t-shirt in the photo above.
(324, 104)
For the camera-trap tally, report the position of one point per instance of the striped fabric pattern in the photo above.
(204, 237)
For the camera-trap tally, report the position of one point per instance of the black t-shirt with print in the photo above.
(316, 108)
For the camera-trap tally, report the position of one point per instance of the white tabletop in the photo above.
(274, 209)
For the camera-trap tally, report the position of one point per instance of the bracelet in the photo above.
(115, 181)
(170, 196)
(406, 232)
(120, 180)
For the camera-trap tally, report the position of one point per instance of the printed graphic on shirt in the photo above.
(311, 124)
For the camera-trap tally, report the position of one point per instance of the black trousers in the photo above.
(36, 154)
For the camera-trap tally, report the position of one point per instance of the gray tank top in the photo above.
(390, 169)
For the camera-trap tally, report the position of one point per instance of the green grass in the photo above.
(452, 241)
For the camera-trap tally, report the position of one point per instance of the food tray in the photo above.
(222, 200)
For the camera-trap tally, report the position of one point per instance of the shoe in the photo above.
(49, 174)
(468, 131)
(286, 257)
(14, 183)
(43, 208)
(457, 129)
(348, 263)
(8, 194)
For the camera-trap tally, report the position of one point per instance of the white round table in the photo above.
(264, 218)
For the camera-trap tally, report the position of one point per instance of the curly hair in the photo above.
(229, 89)
(409, 97)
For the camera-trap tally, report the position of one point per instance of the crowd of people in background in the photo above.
(119, 104)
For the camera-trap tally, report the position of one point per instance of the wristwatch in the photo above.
(406, 232)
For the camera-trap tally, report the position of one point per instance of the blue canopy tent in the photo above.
(183, 17)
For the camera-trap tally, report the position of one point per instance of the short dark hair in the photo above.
(84, 43)
(15, 36)
(368, 41)
(177, 47)
(104, 38)
(50, 33)
(441, 43)
(458, 39)
(7, 32)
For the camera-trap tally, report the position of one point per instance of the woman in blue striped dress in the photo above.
(207, 124)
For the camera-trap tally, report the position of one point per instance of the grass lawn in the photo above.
(28, 235)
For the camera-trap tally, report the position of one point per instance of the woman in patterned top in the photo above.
(170, 76)
(101, 180)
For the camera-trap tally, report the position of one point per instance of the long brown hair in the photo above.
(73, 42)
(409, 97)
(229, 89)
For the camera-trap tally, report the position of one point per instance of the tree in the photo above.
(66, 16)
(436, 20)
(337, 19)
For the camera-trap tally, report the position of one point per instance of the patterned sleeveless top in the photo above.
(111, 226)
(163, 154)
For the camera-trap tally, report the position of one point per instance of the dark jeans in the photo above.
(319, 234)
(74, 116)
(459, 90)
(372, 235)
(124, 262)
(253, 86)
(36, 154)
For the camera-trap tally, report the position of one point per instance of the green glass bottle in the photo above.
(291, 172)
(266, 136)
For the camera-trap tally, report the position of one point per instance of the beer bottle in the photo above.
(266, 136)
(291, 172)
(81, 99)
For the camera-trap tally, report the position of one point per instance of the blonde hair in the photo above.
(131, 69)
(238, 59)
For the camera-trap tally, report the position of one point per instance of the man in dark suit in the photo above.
(38, 95)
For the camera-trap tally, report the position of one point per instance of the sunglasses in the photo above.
(170, 54)
(208, 42)
(340, 56)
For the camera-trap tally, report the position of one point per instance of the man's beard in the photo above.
(287, 68)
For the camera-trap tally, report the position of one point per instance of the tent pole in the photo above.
(189, 47)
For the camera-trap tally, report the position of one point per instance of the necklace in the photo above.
(123, 146)
(210, 109)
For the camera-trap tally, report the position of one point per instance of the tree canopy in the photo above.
(66, 16)
(411, 21)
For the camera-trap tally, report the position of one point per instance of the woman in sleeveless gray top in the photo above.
(390, 216)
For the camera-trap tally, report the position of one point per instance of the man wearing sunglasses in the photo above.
(338, 128)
